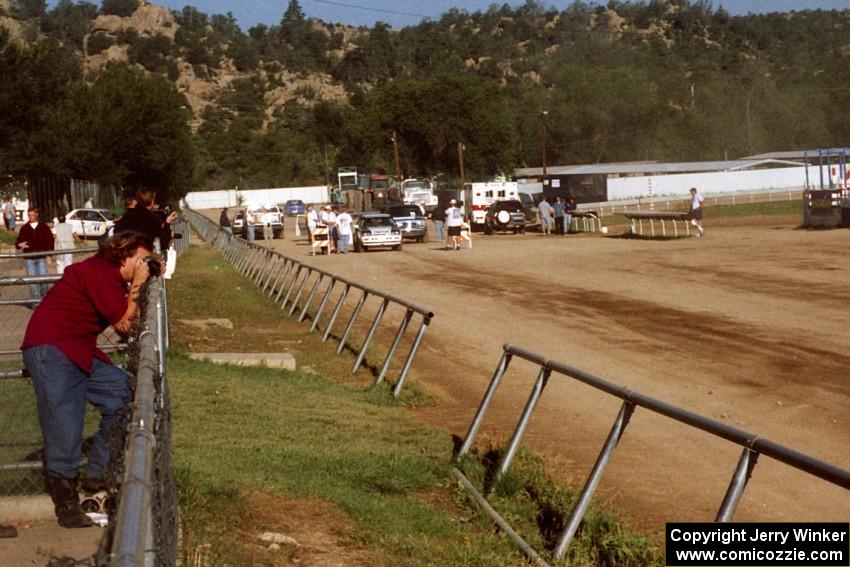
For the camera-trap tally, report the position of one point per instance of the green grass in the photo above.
(7, 237)
(329, 437)
(763, 209)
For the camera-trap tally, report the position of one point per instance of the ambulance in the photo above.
(477, 198)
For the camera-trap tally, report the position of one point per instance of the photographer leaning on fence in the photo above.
(67, 369)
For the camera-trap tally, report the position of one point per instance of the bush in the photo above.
(151, 52)
(121, 8)
(99, 42)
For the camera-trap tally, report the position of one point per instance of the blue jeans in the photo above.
(61, 392)
(229, 232)
(11, 223)
(568, 222)
(37, 267)
(438, 227)
(344, 239)
(250, 233)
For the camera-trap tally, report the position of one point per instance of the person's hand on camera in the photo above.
(172, 216)
(142, 271)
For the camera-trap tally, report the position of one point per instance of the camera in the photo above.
(154, 266)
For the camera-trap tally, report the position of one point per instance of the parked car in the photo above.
(90, 223)
(410, 219)
(269, 213)
(294, 207)
(373, 230)
(505, 216)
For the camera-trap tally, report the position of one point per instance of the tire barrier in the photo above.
(753, 446)
(297, 287)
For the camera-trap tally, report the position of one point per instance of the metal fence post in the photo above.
(324, 302)
(408, 315)
(595, 477)
(310, 297)
(262, 264)
(343, 296)
(275, 260)
(501, 368)
(410, 356)
(291, 286)
(522, 425)
(374, 327)
(290, 266)
(280, 267)
(350, 324)
(743, 472)
(300, 291)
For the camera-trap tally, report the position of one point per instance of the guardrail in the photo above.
(753, 446)
(286, 280)
(144, 528)
(636, 222)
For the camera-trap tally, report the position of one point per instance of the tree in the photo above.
(123, 8)
(29, 9)
(126, 129)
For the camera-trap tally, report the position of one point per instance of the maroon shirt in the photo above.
(90, 296)
(40, 238)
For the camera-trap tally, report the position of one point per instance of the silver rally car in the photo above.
(373, 230)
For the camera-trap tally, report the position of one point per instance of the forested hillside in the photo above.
(127, 90)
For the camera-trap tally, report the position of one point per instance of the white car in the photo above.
(90, 223)
(373, 230)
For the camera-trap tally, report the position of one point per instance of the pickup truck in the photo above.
(268, 214)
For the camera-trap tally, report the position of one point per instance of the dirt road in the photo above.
(748, 325)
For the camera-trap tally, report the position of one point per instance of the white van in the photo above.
(477, 198)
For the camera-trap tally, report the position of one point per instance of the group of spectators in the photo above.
(60, 345)
(331, 224)
(560, 212)
(450, 225)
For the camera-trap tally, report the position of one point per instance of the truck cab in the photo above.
(419, 192)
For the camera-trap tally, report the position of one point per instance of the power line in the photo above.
(380, 10)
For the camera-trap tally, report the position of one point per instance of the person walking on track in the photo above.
(696, 211)
(454, 221)
(546, 213)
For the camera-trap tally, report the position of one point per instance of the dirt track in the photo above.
(748, 325)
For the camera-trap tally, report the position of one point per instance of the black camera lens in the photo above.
(154, 266)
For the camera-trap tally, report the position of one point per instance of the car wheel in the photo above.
(397, 247)
(424, 238)
(522, 230)
(358, 246)
(488, 229)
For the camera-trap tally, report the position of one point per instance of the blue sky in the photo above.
(400, 13)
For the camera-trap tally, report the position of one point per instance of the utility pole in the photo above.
(395, 156)
(543, 131)
(460, 149)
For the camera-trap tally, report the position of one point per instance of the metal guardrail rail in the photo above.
(636, 219)
(753, 445)
(286, 280)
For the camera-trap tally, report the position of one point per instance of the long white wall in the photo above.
(708, 183)
(255, 197)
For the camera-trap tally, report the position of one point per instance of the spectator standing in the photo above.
(35, 236)
(266, 220)
(224, 223)
(545, 212)
(9, 214)
(89, 204)
(454, 221)
(143, 218)
(343, 223)
(439, 218)
(558, 208)
(312, 221)
(569, 207)
(67, 369)
(696, 211)
(64, 239)
(249, 226)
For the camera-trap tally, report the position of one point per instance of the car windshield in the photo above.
(416, 186)
(377, 221)
(296, 202)
(405, 211)
(108, 215)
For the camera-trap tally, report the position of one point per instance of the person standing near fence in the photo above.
(266, 220)
(558, 207)
(64, 239)
(545, 212)
(143, 218)
(249, 226)
(67, 369)
(9, 214)
(439, 218)
(569, 207)
(696, 211)
(343, 223)
(224, 223)
(35, 236)
(312, 221)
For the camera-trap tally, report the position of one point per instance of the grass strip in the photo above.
(323, 437)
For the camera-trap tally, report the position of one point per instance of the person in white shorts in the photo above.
(454, 221)
(64, 238)
(696, 211)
